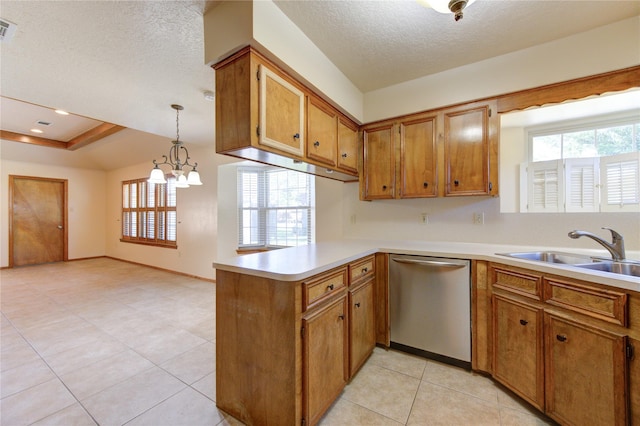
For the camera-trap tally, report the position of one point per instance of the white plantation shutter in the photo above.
(620, 176)
(582, 185)
(545, 192)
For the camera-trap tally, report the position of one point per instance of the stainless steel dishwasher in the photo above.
(430, 307)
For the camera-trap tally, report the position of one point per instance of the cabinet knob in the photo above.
(456, 182)
(425, 184)
(341, 316)
(365, 270)
(384, 187)
(316, 143)
(330, 287)
(357, 305)
(524, 322)
(344, 155)
(561, 338)
(296, 136)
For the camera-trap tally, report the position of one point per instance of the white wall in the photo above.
(86, 206)
(197, 220)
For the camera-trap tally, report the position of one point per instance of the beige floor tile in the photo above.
(93, 378)
(164, 345)
(120, 403)
(194, 364)
(34, 403)
(23, 377)
(207, 386)
(73, 415)
(511, 417)
(73, 359)
(187, 407)
(437, 405)
(15, 351)
(205, 329)
(461, 380)
(344, 412)
(401, 362)
(384, 391)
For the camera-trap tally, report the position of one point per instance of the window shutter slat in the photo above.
(582, 185)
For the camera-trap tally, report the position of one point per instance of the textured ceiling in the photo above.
(380, 43)
(126, 62)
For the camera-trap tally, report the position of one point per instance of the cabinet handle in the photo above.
(296, 136)
(357, 305)
(330, 287)
(344, 155)
(341, 316)
(524, 322)
(456, 182)
(384, 187)
(316, 143)
(561, 338)
(425, 184)
(365, 270)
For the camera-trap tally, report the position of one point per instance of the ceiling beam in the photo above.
(93, 135)
(33, 140)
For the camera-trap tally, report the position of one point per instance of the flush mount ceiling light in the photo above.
(176, 163)
(448, 6)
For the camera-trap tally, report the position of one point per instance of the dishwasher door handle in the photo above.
(437, 263)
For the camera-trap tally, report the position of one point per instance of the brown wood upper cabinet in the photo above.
(440, 153)
(265, 115)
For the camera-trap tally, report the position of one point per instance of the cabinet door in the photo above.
(379, 163)
(347, 146)
(418, 158)
(325, 354)
(586, 374)
(518, 361)
(281, 113)
(466, 151)
(362, 327)
(322, 126)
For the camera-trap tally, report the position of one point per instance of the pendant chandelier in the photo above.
(176, 163)
(448, 6)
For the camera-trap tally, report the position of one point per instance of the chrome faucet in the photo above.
(616, 247)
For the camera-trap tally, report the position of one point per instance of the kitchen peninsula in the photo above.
(290, 337)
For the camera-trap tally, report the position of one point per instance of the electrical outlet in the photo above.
(478, 218)
(424, 217)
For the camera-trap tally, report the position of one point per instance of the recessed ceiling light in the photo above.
(37, 131)
(61, 112)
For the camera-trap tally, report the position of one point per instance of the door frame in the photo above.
(65, 215)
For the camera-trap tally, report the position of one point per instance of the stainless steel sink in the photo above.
(623, 268)
(552, 257)
(629, 267)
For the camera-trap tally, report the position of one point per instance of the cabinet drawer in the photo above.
(517, 282)
(324, 286)
(361, 270)
(607, 305)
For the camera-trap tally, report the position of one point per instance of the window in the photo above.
(588, 168)
(275, 208)
(149, 212)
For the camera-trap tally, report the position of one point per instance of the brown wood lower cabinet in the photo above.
(586, 380)
(325, 355)
(362, 326)
(566, 348)
(518, 360)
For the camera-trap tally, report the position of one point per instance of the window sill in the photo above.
(149, 243)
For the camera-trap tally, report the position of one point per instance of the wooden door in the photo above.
(281, 113)
(418, 158)
(362, 326)
(322, 132)
(586, 374)
(38, 219)
(347, 146)
(466, 143)
(379, 163)
(518, 361)
(325, 354)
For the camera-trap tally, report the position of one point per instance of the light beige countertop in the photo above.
(299, 263)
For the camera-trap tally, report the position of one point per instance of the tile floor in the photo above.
(111, 343)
